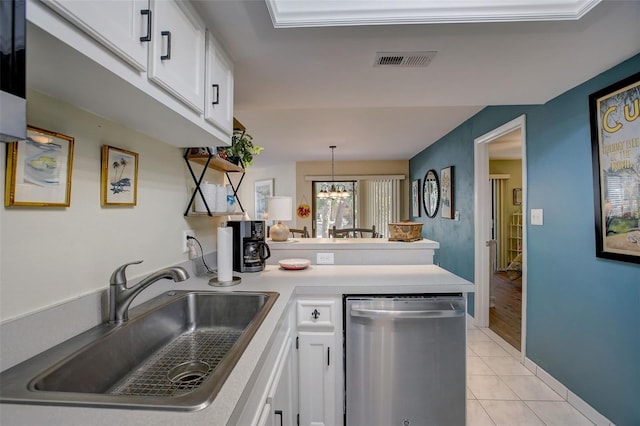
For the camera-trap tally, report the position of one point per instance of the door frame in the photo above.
(482, 223)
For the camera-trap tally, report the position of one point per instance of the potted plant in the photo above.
(242, 149)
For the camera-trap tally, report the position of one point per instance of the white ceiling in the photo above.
(299, 90)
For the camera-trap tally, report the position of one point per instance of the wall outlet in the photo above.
(324, 258)
(185, 234)
(457, 215)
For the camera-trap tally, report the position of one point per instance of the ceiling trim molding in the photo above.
(313, 13)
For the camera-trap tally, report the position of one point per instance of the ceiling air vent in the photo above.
(403, 59)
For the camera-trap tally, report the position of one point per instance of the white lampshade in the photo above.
(280, 208)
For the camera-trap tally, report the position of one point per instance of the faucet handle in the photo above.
(119, 277)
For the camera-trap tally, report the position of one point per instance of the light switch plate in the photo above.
(537, 217)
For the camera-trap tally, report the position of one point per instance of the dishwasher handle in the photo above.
(418, 313)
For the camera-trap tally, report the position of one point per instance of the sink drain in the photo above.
(188, 373)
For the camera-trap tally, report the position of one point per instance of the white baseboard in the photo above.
(578, 403)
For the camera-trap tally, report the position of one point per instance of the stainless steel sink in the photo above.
(174, 353)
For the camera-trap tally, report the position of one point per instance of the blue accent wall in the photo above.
(583, 313)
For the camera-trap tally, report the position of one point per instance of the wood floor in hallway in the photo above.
(505, 318)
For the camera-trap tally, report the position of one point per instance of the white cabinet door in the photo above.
(121, 25)
(177, 51)
(219, 87)
(265, 418)
(282, 396)
(317, 378)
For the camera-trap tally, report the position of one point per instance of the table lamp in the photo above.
(279, 209)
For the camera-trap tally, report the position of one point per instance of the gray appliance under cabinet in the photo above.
(405, 360)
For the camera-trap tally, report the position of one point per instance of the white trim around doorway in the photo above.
(482, 218)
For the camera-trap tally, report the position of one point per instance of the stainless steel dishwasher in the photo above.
(405, 360)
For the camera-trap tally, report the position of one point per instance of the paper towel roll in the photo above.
(225, 253)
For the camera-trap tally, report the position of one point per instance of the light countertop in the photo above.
(325, 280)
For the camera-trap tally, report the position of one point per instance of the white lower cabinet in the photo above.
(301, 380)
(272, 397)
(265, 416)
(320, 362)
(281, 407)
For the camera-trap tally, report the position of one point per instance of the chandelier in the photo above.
(334, 192)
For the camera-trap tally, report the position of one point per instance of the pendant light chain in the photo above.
(332, 175)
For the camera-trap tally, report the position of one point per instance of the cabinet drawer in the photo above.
(316, 314)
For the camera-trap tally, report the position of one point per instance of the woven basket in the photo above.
(405, 231)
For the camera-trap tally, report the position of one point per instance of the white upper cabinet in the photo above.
(177, 51)
(218, 108)
(122, 26)
(158, 48)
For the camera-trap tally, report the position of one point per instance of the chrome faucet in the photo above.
(120, 296)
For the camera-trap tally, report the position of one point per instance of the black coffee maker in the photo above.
(250, 252)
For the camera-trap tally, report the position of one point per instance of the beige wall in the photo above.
(346, 169)
(513, 168)
(50, 255)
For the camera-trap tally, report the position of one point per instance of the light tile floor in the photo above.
(501, 391)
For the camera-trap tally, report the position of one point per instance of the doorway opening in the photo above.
(500, 232)
(506, 248)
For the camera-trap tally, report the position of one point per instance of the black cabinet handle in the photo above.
(328, 356)
(315, 314)
(148, 13)
(279, 413)
(168, 35)
(216, 88)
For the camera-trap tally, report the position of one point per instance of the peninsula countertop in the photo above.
(324, 280)
(354, 243)
(355, 251)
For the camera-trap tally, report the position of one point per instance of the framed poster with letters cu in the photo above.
(615, 146)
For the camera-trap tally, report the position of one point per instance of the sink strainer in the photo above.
(188, 373)
(181, 366)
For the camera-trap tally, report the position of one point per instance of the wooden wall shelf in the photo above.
(215, 162)
(211, 161)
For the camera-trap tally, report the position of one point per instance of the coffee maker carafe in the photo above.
(250, 251)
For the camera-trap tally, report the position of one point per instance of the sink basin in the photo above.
(174, 353)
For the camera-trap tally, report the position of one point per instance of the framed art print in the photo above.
(119, 177)
(263, 189)
(415, 198)
(446, 198)
(615, 148)
(39, 170)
